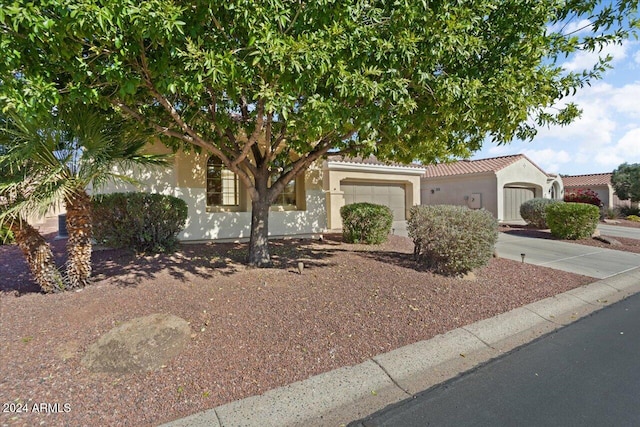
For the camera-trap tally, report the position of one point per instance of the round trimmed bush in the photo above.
(452, 240)
(572, 220)
(534, 211)
(144, 222)
(366, 223)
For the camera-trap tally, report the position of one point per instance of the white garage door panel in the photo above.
(513, 198)
(391, 195)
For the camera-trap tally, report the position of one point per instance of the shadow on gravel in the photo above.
(205, 260)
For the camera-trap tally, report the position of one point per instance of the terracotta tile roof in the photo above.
(371, 160)
(587, 180)
(466, 167)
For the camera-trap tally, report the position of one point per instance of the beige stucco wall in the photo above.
(335, 173)
(186, 178)
(460, 190)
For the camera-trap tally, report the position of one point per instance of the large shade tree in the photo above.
(271, 86)
(55, 159)
(625, 180)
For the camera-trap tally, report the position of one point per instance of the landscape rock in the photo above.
(608, 240)
(142, 344)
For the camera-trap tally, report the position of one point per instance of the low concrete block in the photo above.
(597, 293)
(623, 281)
(561, 309)
(362, 388)
(426, 363)
(509, 330)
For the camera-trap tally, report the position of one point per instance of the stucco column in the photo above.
(335, 200)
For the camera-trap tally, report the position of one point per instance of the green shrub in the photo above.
(572, 220)
(611, 213)
(534, 211)
(140, 221)
(365, 223)
(626, 211)
(6, 236)
(452, 239)
(634, 218)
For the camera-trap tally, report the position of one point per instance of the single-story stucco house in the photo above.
(600, 183)
(219, 206)
(499, 185)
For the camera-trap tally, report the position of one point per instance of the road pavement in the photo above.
(586, 374)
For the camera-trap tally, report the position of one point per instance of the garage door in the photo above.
(392, 195)
(513, 198)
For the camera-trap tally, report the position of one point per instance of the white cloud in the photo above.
(570, 28)
(636, 57)
(582, 26)
(626, 99)
(594, 127)
(548, 159)
(586, 60)
(627, 149)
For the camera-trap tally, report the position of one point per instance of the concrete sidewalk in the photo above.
(340, 396)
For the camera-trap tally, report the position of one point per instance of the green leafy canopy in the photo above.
(405, 80)
(625, 180)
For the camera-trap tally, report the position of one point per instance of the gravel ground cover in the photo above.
(253, 329)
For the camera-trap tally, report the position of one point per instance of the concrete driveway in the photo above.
(587, 260)
(580, 259)
(618, 231)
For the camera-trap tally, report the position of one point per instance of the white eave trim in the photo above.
(363, 167)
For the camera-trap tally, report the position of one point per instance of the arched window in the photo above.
(222, 184)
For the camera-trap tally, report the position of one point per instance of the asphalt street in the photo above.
(586, 374)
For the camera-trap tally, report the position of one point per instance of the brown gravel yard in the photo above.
(253, 329)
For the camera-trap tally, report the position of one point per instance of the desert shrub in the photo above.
(141, 221)
(6, 236)
(572, 220)
(366, 223)
(612, 213)
(582, 196)
(625, 211)
(452, 240)
(634, 218)
(534, 211)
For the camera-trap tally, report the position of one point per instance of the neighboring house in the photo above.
(499, 185)
(600, 183)
(219, 206)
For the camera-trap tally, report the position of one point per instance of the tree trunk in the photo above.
(79, 243)
(39, 256)
(259, 240)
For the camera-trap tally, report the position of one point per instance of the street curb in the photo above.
(345, 394)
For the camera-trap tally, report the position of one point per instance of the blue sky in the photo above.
(608, 132)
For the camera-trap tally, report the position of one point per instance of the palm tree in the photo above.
(64, 155)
